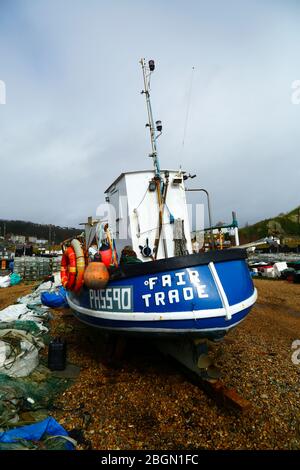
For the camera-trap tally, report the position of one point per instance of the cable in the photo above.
(155, 228)
(187, 111)
(142, 199)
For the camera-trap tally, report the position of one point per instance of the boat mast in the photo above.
(155, 131)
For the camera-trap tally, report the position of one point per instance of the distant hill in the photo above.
(53, 233)
(283, 225)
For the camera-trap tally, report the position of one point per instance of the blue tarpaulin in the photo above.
(55, 299)
(36, 432)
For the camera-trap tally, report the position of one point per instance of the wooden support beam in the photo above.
(224, 396)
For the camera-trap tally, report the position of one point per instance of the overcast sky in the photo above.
(74, 117)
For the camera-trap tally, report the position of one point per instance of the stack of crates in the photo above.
(44, 267)
(55, 266)
(19, 266)
(30, 272)
(32, 268)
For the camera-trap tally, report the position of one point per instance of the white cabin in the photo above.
(133, 212)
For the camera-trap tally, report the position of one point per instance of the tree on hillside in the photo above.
(275, 229)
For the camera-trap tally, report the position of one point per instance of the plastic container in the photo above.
(57, 354)
(106, 255)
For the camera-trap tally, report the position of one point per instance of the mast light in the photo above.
(158, 126)
(151, 64)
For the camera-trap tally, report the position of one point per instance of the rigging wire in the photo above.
(142, 198)
(154, 228)
(187, 112)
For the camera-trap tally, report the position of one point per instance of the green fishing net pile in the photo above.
(26, 325)
(47, 443)
(26, 400)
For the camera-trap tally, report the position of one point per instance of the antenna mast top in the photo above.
(155, 130)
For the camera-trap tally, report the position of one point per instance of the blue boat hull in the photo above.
(205, 297)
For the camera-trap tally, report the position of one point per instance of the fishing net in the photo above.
(180, 248)
(48, 434)
(21, 397)
(47, 443)
(29, 326)
(27, 399)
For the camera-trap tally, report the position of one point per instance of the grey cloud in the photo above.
(74, 117)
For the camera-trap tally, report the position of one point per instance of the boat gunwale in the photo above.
(177, 262)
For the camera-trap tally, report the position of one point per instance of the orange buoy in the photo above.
(96, 275)
(68, 268)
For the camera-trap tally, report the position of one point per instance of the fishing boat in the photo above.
(156, 285)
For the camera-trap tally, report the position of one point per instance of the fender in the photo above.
(68, 268)
(80, 264)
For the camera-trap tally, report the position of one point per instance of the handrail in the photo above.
(209, 211)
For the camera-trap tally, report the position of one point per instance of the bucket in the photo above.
(57, 354)
(106, 255)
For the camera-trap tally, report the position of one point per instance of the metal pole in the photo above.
(151, 120)
(159, 182)
(236, 230)
(209, 211)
